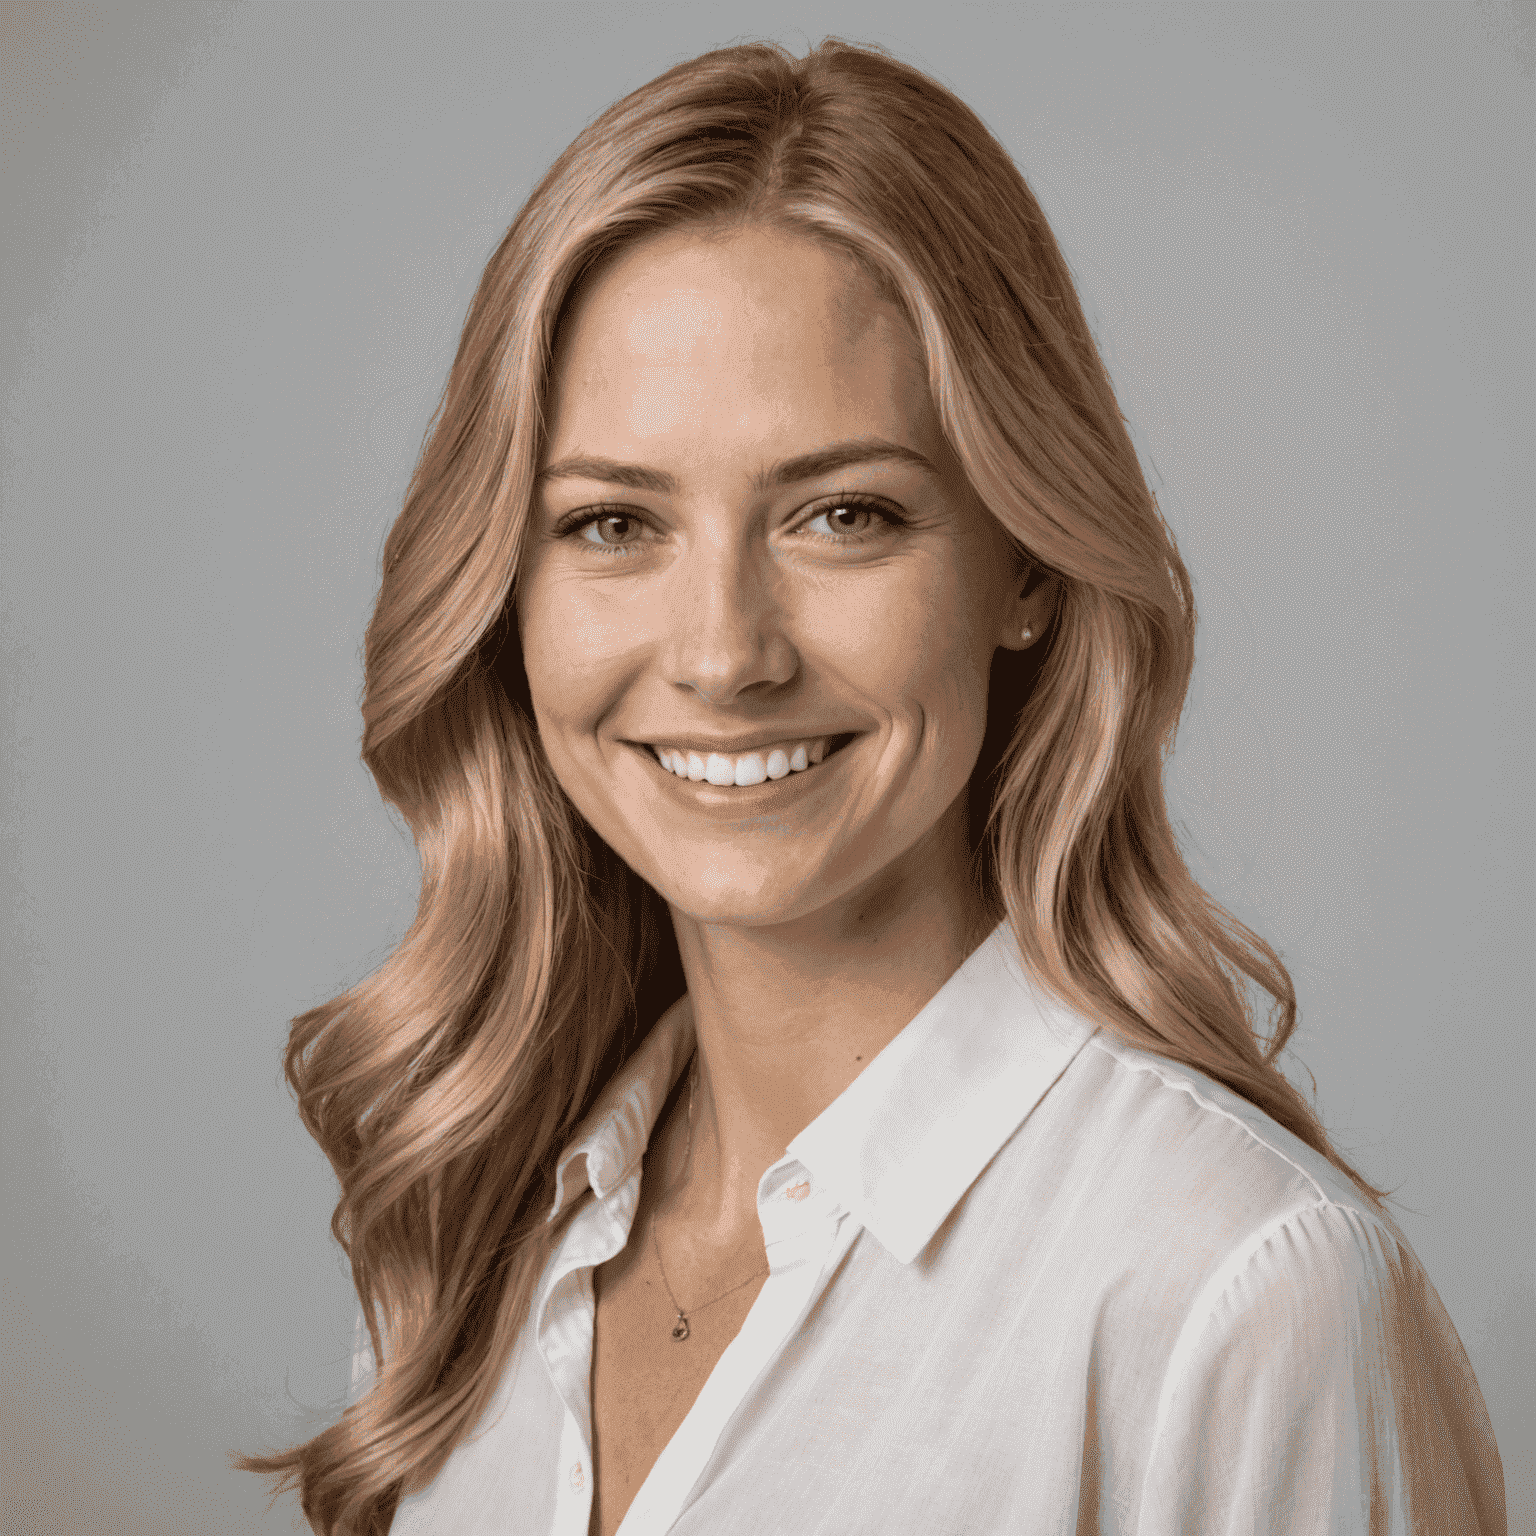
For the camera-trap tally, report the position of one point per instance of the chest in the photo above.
(643, 1380)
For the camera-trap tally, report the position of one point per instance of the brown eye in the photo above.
(849, 518)
(611, 528)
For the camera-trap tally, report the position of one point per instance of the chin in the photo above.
(738, 905)
(741, 896)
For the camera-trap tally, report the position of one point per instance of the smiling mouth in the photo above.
(744, 769)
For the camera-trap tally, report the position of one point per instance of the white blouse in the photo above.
(1039, 1282)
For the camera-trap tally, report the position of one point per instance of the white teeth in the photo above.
(747, 769)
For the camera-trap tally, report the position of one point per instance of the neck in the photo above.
(787, 1015)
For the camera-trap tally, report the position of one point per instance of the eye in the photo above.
(850, 519)
(611, 531)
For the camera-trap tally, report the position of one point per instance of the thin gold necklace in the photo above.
(680, 1327)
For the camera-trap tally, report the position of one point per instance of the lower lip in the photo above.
(703, 795)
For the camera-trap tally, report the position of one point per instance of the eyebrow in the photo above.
(805, 466)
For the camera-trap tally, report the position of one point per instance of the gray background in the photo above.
(238, 245)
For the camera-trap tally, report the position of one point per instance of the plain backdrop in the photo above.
(238, 242)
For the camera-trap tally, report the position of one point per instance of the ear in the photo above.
(1032, 609)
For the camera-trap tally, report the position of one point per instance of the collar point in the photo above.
(902, 1240)
(905, 1252)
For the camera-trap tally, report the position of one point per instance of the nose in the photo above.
(727, 635)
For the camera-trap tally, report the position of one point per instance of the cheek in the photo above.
(914, 648)
(548, 667)
(570, 654)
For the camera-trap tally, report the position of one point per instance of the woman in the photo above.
(814, 1094)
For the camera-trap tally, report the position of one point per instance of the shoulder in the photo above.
(1267, 1324)
(1187, 1150)
(1173, 1193)
(1246, 1210)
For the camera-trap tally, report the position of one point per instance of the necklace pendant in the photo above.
(680, 1328)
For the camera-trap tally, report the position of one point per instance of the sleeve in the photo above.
(1320, 1389)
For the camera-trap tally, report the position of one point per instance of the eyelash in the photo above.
(585, 517)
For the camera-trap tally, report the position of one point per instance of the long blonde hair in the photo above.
(444, 1086)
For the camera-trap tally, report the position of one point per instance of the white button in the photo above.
(578, 1477)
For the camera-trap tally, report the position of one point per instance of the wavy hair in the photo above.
(444, 1086)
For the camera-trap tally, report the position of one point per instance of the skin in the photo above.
(816, 915)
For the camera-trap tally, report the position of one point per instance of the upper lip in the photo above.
(733, 746)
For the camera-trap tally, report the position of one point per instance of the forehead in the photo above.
(761, 335)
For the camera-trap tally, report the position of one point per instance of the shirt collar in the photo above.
(909, 1135)
(612, 1137)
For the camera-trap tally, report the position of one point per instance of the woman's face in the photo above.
(758, 601)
